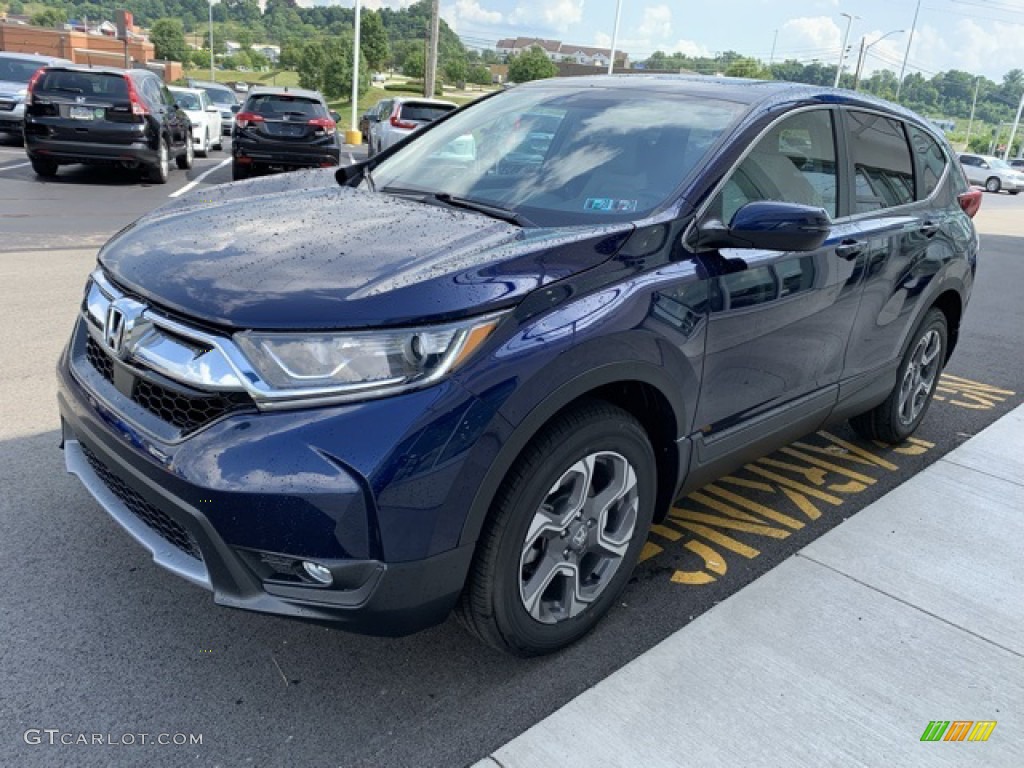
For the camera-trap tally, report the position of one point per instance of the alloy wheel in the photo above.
(919, 377)
(578, 537)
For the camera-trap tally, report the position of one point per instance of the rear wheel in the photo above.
(45, 168)
(565, 532)
(161, 172)
(186, 158)
(993, 184)
(904, 409)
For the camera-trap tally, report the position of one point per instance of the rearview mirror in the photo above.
(767, 225)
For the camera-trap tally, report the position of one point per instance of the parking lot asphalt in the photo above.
(100, 641)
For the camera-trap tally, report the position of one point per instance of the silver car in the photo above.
(992, 173)
(394, 119)
(16, 69)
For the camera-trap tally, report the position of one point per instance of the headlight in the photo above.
(360, 363)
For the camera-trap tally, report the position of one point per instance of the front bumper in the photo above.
(220, 516)
(12, 121)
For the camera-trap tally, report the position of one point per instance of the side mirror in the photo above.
(767, 225)
(236, 108)
(984, 165)
(335, 116)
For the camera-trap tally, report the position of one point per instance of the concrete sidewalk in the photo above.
(910, 611)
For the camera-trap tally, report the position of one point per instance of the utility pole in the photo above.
(775, 40)
(970, 123)
(910, 42)
(860, 63)
(213, 76)
(430, 71)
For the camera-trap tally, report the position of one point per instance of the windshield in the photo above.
(17, 70)
(222, 98)
(187, 100)
(561, 157)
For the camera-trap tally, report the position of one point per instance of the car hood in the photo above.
(13, 88)
(291, 252)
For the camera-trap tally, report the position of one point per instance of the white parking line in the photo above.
(12, 167)
(195, 182)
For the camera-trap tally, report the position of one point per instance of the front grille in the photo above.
(187, 412)
(156, 519)
(99, 359)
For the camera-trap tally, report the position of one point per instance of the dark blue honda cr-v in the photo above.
(471, 372)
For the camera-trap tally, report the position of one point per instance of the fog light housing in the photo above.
(317, 572)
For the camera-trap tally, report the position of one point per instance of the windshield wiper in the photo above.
(445, 198)
(494, 211)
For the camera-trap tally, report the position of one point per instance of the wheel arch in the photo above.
(952, 306)
(642, 390)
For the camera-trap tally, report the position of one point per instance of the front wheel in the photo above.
(903, 410)
(205, 151)
(566, 530)
(993, 185)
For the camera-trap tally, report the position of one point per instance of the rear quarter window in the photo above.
(931, 162)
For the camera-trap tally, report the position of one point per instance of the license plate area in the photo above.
(82, 113)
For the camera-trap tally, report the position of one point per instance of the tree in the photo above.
(168, 38)
(373, 40)
(748, 67)
(16, 7)
(479, 74)
(533, 64)
(312, 62)
(456, 71)
(48, 17)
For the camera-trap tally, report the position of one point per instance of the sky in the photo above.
(979, 36)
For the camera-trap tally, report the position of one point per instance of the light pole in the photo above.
(864, 52)
(213, 76)
(906, 55)
(974, 104)
(842, 51)
(615, 35)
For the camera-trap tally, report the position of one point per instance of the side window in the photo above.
(794, 162)
(151, 92)
(883, 167)
(166, 94)
(931, 162)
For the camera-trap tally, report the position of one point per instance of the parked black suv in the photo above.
(105, 116)
(286, 128)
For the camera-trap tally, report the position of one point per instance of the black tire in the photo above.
(889, 422)
(205, 151)
(240, 172)
(161, 172)
(993, 184)
(187, 157)
(44, 168)
(492, 606)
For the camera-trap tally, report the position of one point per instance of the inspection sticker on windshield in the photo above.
(608, 204)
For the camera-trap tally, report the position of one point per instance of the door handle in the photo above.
(850, 249)
(929, 229)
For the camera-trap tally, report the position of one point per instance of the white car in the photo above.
(205, 118)
(992, 173)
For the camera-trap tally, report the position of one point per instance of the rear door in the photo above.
(909, 225)
(288, 119)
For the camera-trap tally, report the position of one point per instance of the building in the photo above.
(271, 53)
(558, 51)
(84, 48)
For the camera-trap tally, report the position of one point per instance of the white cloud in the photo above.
(818, 33)
(690, 48)
(470, 10)
(553, 15)
(656, 24)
